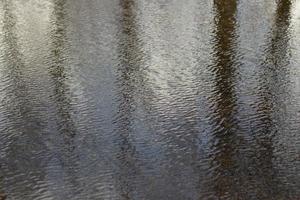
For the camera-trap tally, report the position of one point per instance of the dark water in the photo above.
(150, 99)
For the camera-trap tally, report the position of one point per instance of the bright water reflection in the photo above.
(158, 99)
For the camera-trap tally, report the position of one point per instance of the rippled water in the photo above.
(150, 99)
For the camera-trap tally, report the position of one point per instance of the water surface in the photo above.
(150, 99)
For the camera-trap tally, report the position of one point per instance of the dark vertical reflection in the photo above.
(272, 93)
(22, 118)
(127, 82)
(12, 56)
(273, 77)
(225, 181)
(58, 70)
(106, 136)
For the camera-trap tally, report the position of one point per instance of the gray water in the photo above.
(150, 99)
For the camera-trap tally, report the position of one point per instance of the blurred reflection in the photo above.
(59, 65)
(128, 83)
(271, 106)
(58, 70)
(133, 99)
(225, 165)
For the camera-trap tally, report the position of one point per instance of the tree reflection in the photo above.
(128, 82)
(225, 162)
(272, 92)
(58, 70)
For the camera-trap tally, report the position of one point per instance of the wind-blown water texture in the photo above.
(150, 99)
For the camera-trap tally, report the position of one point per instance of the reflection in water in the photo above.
(65, 154)
(132, 99)
(269, 106)
(224, 162)
(127, 82)
(58, 72)
(272, 104)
